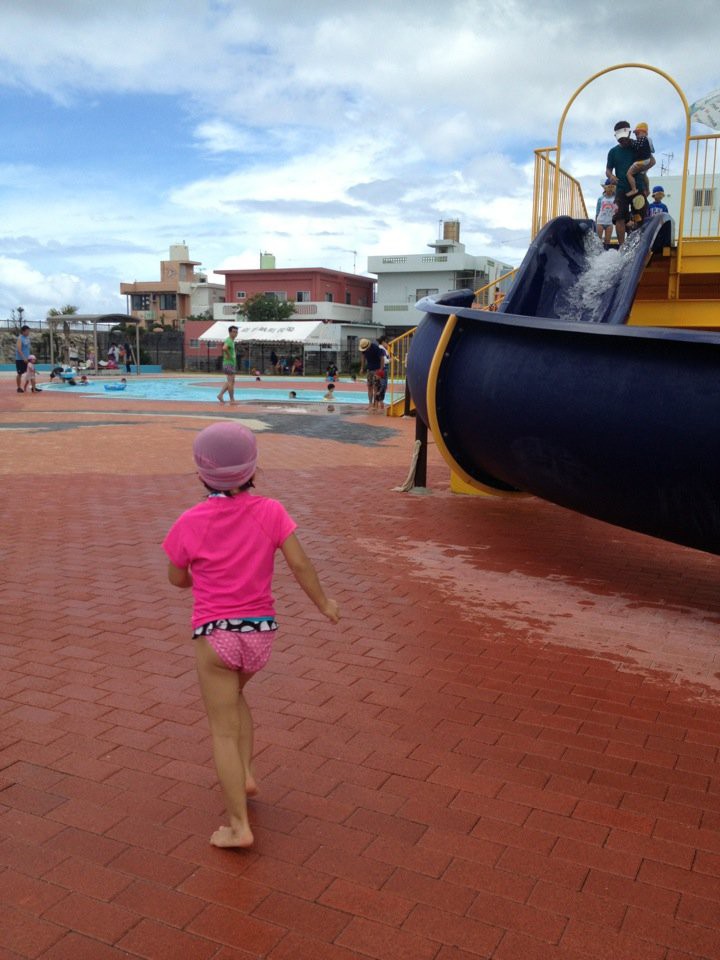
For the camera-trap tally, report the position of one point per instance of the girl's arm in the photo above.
(179, 576)
(306, 575)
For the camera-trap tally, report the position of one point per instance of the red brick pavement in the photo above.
(508, 748)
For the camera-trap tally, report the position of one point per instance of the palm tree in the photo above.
(65, 311)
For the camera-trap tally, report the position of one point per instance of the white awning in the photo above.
(281, 331)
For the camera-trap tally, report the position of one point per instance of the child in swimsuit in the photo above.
(605, 210)
(30, 375)
(223, 548)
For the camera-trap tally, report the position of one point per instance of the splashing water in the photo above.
(604, 269)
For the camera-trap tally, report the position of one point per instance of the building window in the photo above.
(704, 198)
(328, 298)
(240, 294)
(140, 301)
(348, 298)
(194, 343)
(302, 296)
(426, 292)
(168, 301)
(276, 295)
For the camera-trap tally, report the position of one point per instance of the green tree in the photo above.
(262, 309)
(65, 311)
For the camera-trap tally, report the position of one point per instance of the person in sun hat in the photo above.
(644, 148)
(619, 160)
(372, 361)
(223, 549)
(657, 206)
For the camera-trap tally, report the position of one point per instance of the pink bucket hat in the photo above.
(226, 455)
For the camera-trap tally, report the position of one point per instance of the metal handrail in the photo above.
(399, 346)
(555, 192)
(398, 349)
(704, 177)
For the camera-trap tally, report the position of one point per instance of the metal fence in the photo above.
(256, 356)
(556, 193)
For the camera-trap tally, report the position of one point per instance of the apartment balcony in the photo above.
(312, 310)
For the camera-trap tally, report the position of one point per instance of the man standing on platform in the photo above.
(619, 160)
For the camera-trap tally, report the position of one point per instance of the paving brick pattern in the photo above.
(508, 748)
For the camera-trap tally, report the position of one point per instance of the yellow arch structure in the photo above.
(686, 108)
(451, 323)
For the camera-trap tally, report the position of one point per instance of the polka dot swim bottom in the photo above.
(243, 645)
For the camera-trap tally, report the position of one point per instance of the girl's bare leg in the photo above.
(231, 731)
(245, 742)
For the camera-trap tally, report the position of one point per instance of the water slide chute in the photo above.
(615, 422)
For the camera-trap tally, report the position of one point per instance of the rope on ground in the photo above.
(410, 481)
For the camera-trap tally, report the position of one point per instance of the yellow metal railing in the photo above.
(702, 214)
(491, 296)
(487, 297)
(398, 367)
(555, 193)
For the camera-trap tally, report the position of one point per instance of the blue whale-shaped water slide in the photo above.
(615, 422)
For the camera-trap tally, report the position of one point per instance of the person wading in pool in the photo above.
(229, 361)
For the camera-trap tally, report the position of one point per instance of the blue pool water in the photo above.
(192, 390)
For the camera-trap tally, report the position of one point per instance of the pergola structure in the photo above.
(78, 322)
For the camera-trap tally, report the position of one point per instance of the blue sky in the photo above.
(308, 130)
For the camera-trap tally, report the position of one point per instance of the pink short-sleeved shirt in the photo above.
(229, 544)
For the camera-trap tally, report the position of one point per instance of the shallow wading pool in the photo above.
(195, 390)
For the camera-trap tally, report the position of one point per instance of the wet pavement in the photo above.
(508, 748)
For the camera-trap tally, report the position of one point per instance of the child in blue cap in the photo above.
(657, 206)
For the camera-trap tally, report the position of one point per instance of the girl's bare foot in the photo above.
(228, 837)
(251, 787)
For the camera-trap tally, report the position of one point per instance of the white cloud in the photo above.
(24, 286)
(311, 129)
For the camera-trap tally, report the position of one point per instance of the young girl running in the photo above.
(223, 548)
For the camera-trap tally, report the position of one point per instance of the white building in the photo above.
(405, 279)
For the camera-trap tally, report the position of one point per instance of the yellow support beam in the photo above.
(675, 313)
(700, 256)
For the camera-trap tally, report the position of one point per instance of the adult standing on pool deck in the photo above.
(373, 360)
(22, 352)
(229, 360)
